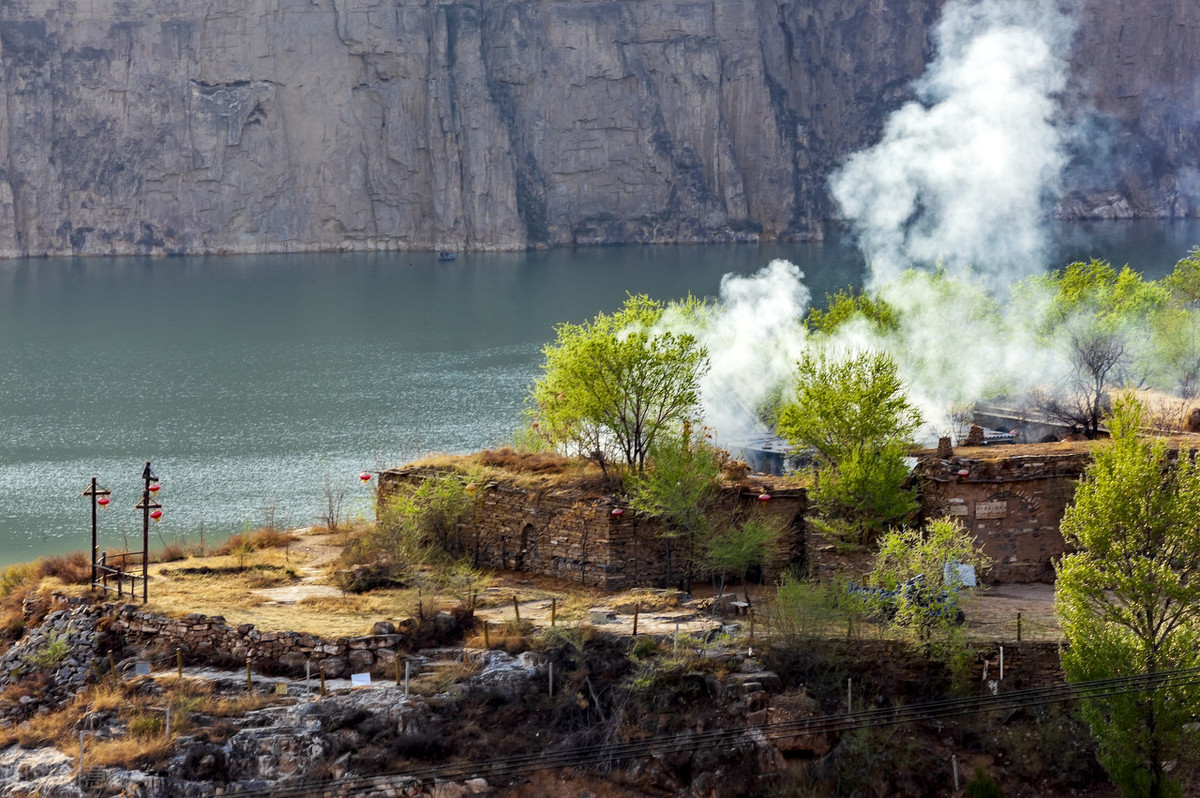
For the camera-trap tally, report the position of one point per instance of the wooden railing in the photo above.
(117, 567)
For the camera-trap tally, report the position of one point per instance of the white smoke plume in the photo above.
(963, 175)
(754, 337)
(962, 178)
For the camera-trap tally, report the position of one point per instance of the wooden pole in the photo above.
(322, 680)
(516, 608)
(93, 491)
(179, 661)
(486, 643)
(553, 609)
(1018, 627)
(249, 678)
(636, 608)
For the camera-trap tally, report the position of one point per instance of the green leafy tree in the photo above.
(678, 489)
(1128, 600)
(853, 412)
(1176, 332)
(931, 604)
(615, 383)
(740, 547)
(1100, 316)
(845, 305)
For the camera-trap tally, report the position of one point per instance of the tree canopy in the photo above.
(853, 412)
(1129, 600)
(613, 384)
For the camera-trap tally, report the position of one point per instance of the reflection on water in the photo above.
(255, 382)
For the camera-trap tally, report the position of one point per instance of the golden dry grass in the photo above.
(526, 470)
(143, 742)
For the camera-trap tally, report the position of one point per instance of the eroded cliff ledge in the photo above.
(278, 125)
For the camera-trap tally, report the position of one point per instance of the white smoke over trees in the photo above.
(961, 180)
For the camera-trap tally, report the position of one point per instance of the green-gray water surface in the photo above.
(254, 382)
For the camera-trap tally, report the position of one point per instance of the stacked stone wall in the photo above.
(1013, 505)
(208, 639)
(598, 540)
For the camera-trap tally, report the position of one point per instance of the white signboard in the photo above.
(957, 576)
(360, 680)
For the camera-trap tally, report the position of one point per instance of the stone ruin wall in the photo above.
(1012, 504)
(573, 535)
(208, 638)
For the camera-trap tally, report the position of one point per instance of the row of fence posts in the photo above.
(407, 671)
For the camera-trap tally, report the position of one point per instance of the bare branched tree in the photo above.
(1099, 358)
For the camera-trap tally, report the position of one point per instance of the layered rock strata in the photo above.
(285, 125)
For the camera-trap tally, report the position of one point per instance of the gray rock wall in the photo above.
(129, 126)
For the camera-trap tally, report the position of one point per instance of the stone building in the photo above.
(597, 539)
(1012, 502)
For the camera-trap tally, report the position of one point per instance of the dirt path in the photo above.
(319, 548)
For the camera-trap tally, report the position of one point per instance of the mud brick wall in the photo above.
(573, 535)
(1013, 505)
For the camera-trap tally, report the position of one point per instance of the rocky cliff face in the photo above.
(277, 125)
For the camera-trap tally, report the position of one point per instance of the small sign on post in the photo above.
(141, 669)
(360, 680)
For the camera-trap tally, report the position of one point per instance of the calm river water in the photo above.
(254, 382)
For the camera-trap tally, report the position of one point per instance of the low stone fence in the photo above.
(208, 638)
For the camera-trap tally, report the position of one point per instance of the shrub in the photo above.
(982, 785)
(52, 653)
(71, 569)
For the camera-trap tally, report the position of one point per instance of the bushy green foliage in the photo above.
(927, 611)
(845, 305)
(1128, 600)
(678, 489)
(613, 384)
(53, 652)
(1176, 333)
(1108, 323)
(853, 412)
(422, 534)
(740, 546)
(982, 785)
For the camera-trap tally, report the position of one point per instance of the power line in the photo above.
(506, 767)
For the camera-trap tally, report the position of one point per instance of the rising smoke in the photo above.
(962, 178)
(964, 175)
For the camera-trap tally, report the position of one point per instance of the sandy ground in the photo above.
(992, 613)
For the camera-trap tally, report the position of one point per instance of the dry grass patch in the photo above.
(646, 600)
(257, 540)
(140, 740)
(528, 470)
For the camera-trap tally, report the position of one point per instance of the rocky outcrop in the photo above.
(53, 660)
(283, 125)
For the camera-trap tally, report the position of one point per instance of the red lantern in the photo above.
(102, 501)
(154, 487)
(764, 497)
(156, 515)
(365, 477)
(618, 512)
